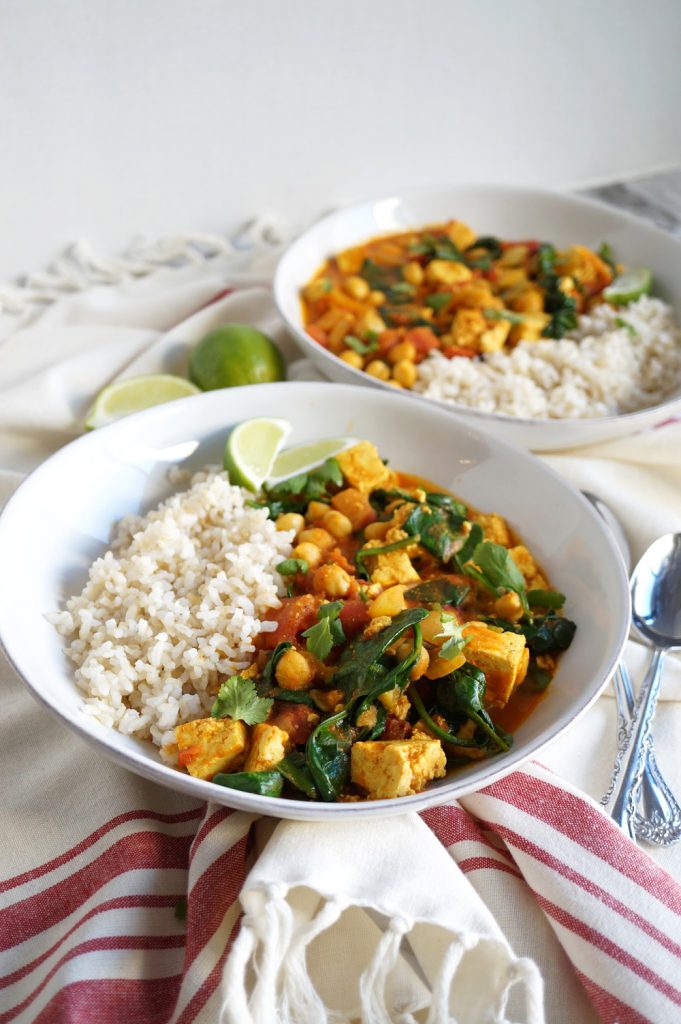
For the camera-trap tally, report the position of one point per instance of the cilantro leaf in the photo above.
(545, 599)
(493, 566)
(327, 632)
(238, 699)
(607, 255)
(361, 347)
(455, 641)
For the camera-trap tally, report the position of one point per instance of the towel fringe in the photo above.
(300, 999)
(373, 981)
(442, 985)
(234, 1008)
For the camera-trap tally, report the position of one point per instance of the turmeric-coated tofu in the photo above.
(363, 468)
(534, 579)
(392, 567)
(492, 340)
(494, 528)
(268, 747)
(391, 768)
(355, 505)
(211, 745)
(502, 656)
(468, 327)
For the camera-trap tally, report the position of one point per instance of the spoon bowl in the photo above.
(656, 592)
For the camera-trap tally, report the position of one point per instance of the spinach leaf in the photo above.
(488, 242)
(448, 737)
(263, 783)
(238, 699)
(471, 542)
(288, 696)
(290, 566)
(493, 566)
(328, 755)
(380, 497)
(543, 634)
(462, 693)
(375, 731)
(294, 493)
(438, 591)
(400, 292)
(295, 770)
(562, 307)
(364, 553)
(268, 671)
(455, 508)
(537, 679)
(354, 674)
(545, 599)
(327, 632)
(503, 314)
(546, 259)
(380, 277)
(438, 300)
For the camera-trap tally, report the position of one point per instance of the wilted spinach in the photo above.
(264, 783)
(328, 755)
(543, 634)
(295, 770)
(294, 494)
(359, 672)
(462, 694)
(438, 591)
(492, 565)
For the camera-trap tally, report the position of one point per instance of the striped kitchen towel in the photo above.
(135, 921)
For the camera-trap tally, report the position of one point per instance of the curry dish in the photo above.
(383, 306)
(416, 635)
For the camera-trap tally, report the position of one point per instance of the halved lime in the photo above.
(629, 286)
(126, 396)
(252, 448)
(303, 457)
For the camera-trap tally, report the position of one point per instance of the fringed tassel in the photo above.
(300, 999)
(527, 971)
(373, 981)
(234, 1008)
(439, 1005)
(274, 933)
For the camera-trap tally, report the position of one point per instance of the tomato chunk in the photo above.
(295, 615)
(354, 617)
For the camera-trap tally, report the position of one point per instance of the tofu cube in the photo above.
(494, 528)
(355, 505)
(268, 747)
(211, 745)
(468, 327)
(502, 656)
(461, 234)
(534, 578)
(447, 272)
(362, 467)
(494, 336)
(392, 567)
(392, 768)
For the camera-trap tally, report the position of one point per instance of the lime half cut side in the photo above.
(252, 448)
(127, 396)
(303, 457)
(629, 286)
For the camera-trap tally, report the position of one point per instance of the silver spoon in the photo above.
(659, 818)
(656, 597)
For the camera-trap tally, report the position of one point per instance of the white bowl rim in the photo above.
(170, 777)
(498, 187)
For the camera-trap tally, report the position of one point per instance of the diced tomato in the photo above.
(387, 339)
(396, 729)
(187, 755)
(295, 615)
(298, 720)
(318, 334)
(423, 339)
(353, 616)
(337, 556)
(458, 350)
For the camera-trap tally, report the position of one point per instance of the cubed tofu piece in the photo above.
(447, 272)
(468, 327)
(396, 702)
(461, 234)
(392, 768)
(587, 267)
(530, 329)
(494, 528)
(362, 467)
(494, 336)
(503, 657)
(534, 578)
(268, 747)
(211, 745)
(392, 567)
(476, 295)
(356, 506)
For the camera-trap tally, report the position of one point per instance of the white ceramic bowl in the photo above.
(59, 521)
(508, 213)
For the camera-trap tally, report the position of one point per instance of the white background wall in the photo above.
(124, 116)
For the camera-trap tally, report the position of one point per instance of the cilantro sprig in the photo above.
(238, 699)
(453, 631)
(327, 632)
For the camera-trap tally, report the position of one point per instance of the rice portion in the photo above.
(602, 368)
(174, 605)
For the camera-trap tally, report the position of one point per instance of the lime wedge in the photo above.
(137, 393)
(303, 457)
(252, 448)
(629, 286)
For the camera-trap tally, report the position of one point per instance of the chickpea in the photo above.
(440, 667)
(352, 359)
(431, 626)
(391, 602)
(316, 510)
(294, 671)
(413, 273)
(309, 553)
(403, 350)
(356, 287)
(377, 368)
(404, 373)
(290, 521)
(394, 384)
(332, 580)
(370, 321)
(320, 538)
(337, 524)
(318, 289)
(376, 531)
(509, 607)
(376, 298)
(422, 662)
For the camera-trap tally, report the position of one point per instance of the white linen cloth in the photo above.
(391, 876)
